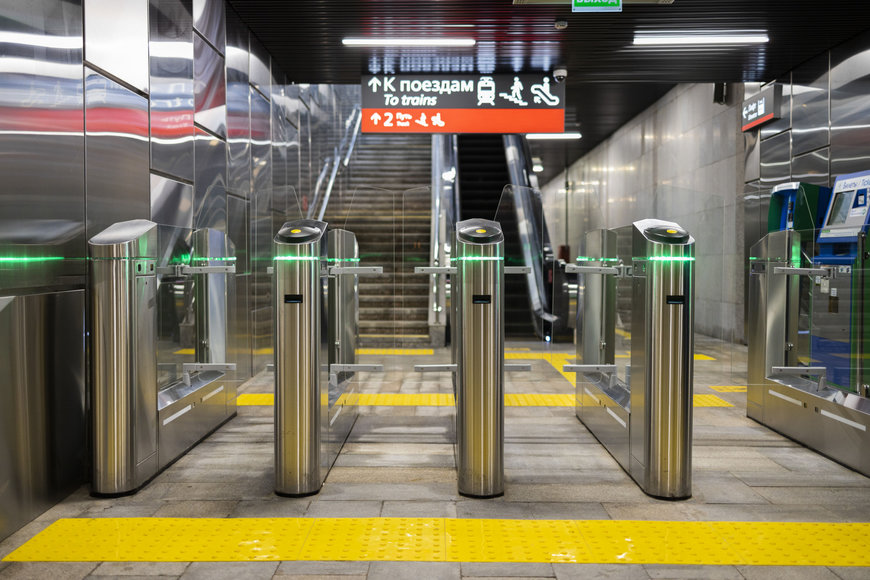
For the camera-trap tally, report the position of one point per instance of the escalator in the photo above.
(483, 173)
(494, 182)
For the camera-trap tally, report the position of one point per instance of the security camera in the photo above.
(560, 74)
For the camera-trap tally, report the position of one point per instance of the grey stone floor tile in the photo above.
(397, 448)
(323, 568)
(419, 509)
(693, 572)
(804, 460)
(344, 509)
(570, 493)
(230, 570)
(18, 538)
(391, 491)
(414, 570)
(651, 510)
(786, 573)
(762, 513)
(108, 510)
(835, 496)
(500, 509)
(140, 569)
(850, 573)
(196, 509)
(503, 570)
(214, 491)
(391, 475)
(274, 507)
(395, 460)
(786, 478)
(596, 571)
(565, 476)
(48, 570)
(319, 577)
(850, 513)
(723, 488)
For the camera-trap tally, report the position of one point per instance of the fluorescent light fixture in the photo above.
(697, 38)
(408, 41)
(544, 136)
(537, 167)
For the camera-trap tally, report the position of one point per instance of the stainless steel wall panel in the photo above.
(209, 20)
(43, 432)
(172, 102)
(171, 202)
(751, 156)
(850, 85)
(279, 157)
(260, 70)
(812, 167)
(210, 87)
(810, 110)
(210, 194)
(261, 148)
(775, 155)
(238, 221)
(116, 144)
(238, 109)
(42, 203)
(116, 39)
(240, 330)
(262, 231)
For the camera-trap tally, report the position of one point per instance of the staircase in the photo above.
(386, 203)
(482, 176)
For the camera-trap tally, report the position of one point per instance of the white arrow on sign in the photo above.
(374, 84)
(376, 118)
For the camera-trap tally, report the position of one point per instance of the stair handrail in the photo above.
(444, 204)
(338, 161)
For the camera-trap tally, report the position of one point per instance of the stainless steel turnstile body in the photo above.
(299, 384)
(123, 356)
(645, 418)
(781, 394)
(478, 342)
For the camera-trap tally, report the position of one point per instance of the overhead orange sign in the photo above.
(520, 103)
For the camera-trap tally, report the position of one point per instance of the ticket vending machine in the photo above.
(644, 417)
(815, 394)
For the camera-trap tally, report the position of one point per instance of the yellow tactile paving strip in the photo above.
(446, 400)
(729, 388)
(446, 540)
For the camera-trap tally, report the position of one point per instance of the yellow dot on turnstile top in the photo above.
(295, 231)
(480, 231)
(672, 231)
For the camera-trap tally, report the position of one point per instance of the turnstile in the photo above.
(123, 356)
(477, 334)
(644, 418)
(477, 337)
(316, 330)
(140, 426)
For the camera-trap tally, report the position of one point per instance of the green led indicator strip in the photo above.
(342, 260)
(27, 259)
(477, 259)
(670, 258)
(204, 259)
(297, 258)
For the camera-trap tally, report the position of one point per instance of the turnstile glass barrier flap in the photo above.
(645, 419)
(301, 387)
(123, 360)
(478, 338)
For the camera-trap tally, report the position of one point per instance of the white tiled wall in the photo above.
(680, 160)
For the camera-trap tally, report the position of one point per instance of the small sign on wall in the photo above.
(762, 108)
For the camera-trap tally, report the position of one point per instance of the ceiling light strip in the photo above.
(442, 42)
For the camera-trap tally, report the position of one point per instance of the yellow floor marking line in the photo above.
(255, 399)
(622, 333)
(262, 351)
(538, 400)
(729, 388)
(703, 357)
(445, 540)
(185, 351)
(710, 401)
(516, 348)
(397, 351)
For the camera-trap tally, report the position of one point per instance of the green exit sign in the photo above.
(596, 6)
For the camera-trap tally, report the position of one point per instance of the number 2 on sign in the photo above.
(388, 119)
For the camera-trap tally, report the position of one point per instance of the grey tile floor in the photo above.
(399, 461)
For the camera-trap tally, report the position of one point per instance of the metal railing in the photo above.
(334, 165)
